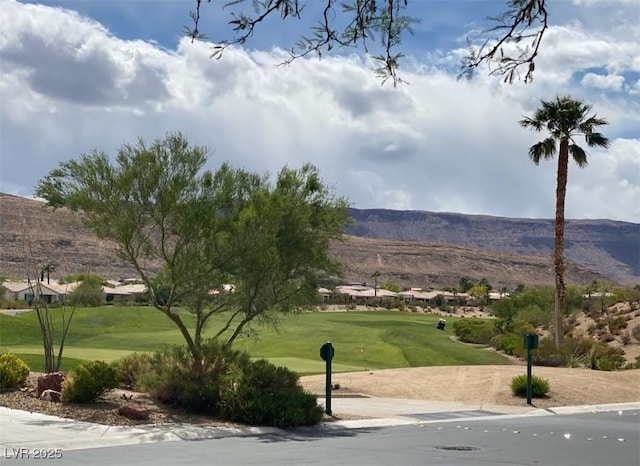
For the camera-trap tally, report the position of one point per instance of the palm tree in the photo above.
(48, 269)
(375, 276)
(564, 118)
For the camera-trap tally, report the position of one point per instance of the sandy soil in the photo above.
(485, 384)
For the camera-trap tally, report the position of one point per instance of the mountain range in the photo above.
(411, 248)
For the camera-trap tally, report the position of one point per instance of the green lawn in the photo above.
(362, 340)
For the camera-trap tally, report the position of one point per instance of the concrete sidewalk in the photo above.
(30, 431)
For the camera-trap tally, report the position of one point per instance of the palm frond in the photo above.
(579, 155)
(544, 149)
(596, 139)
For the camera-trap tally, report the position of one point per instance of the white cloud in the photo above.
(610, 81)
(68, 86)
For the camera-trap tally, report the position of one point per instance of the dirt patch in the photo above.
(485, 384)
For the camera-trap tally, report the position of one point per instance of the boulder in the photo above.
(52, 381)
(137, 413)
(51, 395)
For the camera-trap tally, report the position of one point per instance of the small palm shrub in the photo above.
(87, 381)
(13, 372)
(539, 386)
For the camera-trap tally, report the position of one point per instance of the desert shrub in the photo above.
(548, 354)
(87, 381)
(603, 357)
(475, 331)
(616, 324)
(633, 365)
(130, 368)
(625, 337)
(13, 372)
(535, 315)
(271, 395)
(521, 327)
(510, 343)
(539, 386)
(607, 337)
(174, 378)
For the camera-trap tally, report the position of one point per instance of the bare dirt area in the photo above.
(485, 384)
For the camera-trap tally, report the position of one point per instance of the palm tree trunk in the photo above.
(558, 255)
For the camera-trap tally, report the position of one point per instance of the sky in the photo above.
(80, 75)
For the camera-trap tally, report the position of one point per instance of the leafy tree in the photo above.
(227, 241)
(88, 293)
(362, 23)
(391, 286)
(479, 292)
(564, 118)
(465, 284)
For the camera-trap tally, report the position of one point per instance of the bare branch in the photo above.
(525, 19)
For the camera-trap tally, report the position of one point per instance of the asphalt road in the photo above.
(598, 439)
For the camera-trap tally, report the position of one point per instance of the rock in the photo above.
(51, 395)
(136, 413)
(52, 381)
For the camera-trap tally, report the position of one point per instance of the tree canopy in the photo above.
(511, 42)
(228, 241)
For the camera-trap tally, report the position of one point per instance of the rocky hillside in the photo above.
(57, 237)
(606, 247)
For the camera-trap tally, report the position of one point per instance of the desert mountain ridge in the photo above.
(413, 249)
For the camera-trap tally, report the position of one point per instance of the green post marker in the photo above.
(530, 343)
(326, 353)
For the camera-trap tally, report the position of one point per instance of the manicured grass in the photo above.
(362, 340)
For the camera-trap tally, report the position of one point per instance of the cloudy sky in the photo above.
(77, 75)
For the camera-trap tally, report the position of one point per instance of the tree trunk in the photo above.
(558, 254)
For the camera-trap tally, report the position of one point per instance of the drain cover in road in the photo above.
(452, 415)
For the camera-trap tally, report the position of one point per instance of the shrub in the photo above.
(13, 372)
(548, 354)
(539, 386)
(130, 368)
(88, 293)
(474, 331)
(88, 381)
(535, 315)
(270, 395)
(603, 357)
(510, 343)
(175, 378)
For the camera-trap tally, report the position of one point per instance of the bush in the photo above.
(88, 293)
(474, 331)
(603, 357)
(88, 381)
(13, 372)
(175, 378)
(130, 368)
(535, 315)
(270, 395)
(539, 386)
(510, 343)
(548, 354)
